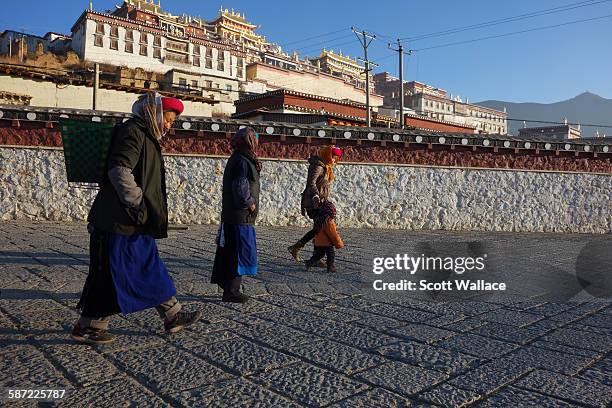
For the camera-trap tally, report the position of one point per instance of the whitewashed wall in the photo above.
(33, 186)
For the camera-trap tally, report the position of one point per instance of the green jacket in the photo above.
(132, 147)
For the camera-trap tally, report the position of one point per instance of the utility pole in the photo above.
(363, 40)
(400, 51)
(96, 84)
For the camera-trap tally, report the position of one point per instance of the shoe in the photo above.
(321, 264)
(90, 335)
(294, 250)
(240, 298)
(182, 320)
(331, 269)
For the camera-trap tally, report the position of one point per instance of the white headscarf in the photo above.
(148, 107)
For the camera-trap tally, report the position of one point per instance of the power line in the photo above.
(540, 13)
(514, 33)
(314, 37)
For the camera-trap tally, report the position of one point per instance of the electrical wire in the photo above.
(520, 17)
(513, 33)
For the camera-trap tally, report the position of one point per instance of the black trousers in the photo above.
(320, 252)
(309, 236)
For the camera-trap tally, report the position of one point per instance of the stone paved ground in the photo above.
(307, 338)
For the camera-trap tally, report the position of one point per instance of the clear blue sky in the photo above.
(541, 66)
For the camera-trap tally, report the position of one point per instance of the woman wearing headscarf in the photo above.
(320, 175)
(236, 254)
(130, 211)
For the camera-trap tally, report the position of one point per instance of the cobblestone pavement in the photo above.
(307, 338)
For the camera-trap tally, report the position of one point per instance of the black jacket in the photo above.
(233, 211)
(133, 147)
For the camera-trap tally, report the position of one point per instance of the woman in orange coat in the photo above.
(327, 237)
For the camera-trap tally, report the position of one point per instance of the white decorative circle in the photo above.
(547, 146)
(1, 114)
(396, 138)
(371, 136)
(269, 130)
(605, 149)
(297, 132)
(442, 140)
(64, 116)
(347, 135)
(568, 146)
(587, 148)
(464, 141)
(419, 139)
(96, 119)
(31, 116)
(507, 143)
(186, 125)
(321, 133)
(527, 145)
(215, 127)
(241, 127)
(486, 142)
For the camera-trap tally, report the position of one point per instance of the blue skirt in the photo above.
(236, 253)
(139, 275)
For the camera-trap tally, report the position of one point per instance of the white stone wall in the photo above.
(33, 186)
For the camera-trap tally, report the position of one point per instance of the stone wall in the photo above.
(33, 186)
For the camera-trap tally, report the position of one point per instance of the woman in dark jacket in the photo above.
(320, 175)
(130, 211)
(236, 254)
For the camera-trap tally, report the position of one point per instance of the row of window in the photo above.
(173, 45)
(207, 84)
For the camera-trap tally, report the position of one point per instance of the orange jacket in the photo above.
(328, 235)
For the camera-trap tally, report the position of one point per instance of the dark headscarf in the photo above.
(245, 142)
(326, 210)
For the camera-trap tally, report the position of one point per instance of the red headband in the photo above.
(172, 104)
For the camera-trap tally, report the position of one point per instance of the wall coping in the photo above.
(275, 159)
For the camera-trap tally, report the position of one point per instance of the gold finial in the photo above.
(90, 5)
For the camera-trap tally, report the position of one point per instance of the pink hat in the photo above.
(172, 104)
(336, 151)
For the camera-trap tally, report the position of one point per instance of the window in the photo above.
(207, 84)
(228, 87)
(143, 50)
(196, 61)
(220, 65)
(114, 44)
(194, 83)
(209, 53)
(100, 28)
(196, 50)
(157, 52)
(114, 31)
(129, 35)
(157, 41)
(98, 41)
(143, 38)
(208, 63)
(129, 47)
(182, 82)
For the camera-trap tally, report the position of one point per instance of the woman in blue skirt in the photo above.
(130, 211)
(236, 254)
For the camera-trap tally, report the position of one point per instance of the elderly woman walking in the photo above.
(236, 254)
(320, 175)
(130, 211)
